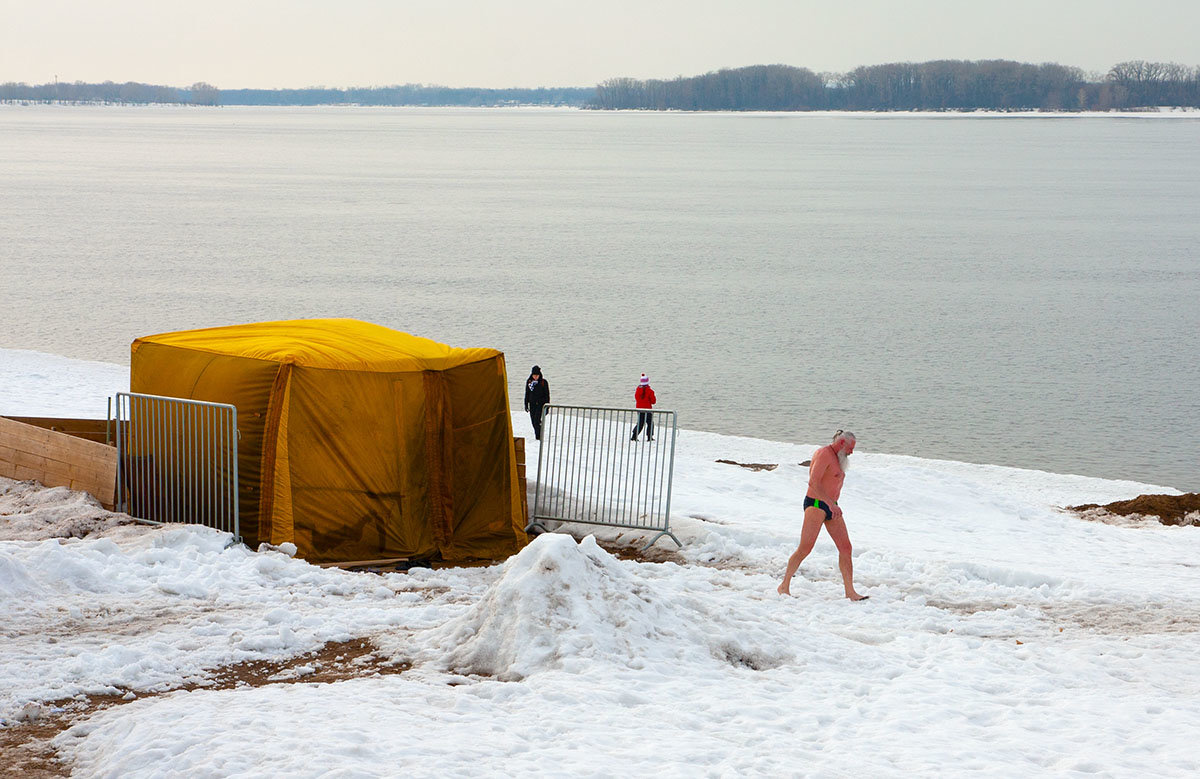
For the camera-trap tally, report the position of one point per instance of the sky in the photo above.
(529, 43)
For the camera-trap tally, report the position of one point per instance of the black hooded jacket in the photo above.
(537, 394)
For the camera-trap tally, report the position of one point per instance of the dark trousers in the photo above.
(535, 416)
(647, 419)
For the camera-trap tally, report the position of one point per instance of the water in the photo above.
(1020, 291)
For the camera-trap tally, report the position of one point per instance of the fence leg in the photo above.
(660, 535)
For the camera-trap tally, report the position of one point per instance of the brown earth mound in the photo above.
(1170, 509)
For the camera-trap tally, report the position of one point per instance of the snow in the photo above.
(35, 384)
(1003, 636)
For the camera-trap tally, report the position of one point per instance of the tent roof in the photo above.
(334, 344)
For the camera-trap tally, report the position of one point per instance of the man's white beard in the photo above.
(844, 461)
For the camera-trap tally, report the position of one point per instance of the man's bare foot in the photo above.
(783, 589)
(856, 596)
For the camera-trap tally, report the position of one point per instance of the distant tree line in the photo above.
(202, 93)
(131, 92)
(940, 85)
(411, 94)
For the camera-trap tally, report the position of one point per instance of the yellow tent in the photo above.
(357, 442)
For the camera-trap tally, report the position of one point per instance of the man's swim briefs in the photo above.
(823, 505)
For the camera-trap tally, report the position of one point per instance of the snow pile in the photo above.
(562, 605)
(32, 512)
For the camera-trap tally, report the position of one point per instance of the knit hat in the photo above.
(535, 369)
(644, 380)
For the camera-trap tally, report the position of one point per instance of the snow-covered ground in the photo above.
(1003, 636)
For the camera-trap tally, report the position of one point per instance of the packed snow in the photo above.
(1003, 636)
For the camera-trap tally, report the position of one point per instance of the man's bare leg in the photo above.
(841, 539)
(808, 536)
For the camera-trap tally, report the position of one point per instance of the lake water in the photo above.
(1019, 291)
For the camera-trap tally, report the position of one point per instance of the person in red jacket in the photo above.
(643, 397)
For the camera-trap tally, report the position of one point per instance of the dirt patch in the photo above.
(25, 748)
(1124, 620)
(334, 662)
(1168, 509)
(967, 608)
(633, 551)
(752, 466)
(1117, 619)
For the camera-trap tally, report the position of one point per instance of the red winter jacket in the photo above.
(644, 397)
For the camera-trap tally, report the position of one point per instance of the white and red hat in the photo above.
(642, 382)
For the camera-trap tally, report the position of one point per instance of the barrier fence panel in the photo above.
(177, 461)
(606, 466)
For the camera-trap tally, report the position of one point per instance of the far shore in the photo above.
(1164, 112)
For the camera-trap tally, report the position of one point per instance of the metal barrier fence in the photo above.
(177, 461)
(591, 470)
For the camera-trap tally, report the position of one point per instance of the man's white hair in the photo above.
(843, 458)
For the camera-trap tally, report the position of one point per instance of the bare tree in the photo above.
(205, 94)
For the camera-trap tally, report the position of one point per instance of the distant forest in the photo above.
(411, 94)
(206, 94)
(942, 85)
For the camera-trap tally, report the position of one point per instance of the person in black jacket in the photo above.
(537, 394)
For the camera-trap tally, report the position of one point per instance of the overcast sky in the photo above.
(503, 43)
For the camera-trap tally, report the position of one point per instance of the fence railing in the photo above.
(177, 461)
(606, 466)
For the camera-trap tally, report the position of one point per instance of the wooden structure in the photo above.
(97, 430)
(60, 453)
(520, 447)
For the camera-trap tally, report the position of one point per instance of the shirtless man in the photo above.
(825, 477)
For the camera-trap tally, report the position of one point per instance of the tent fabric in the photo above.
(357, 442)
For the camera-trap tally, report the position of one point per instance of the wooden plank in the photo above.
(64, 424)
(21, 473)
(18, 435)
(67, 450)
(28, 459)
(95, 462)
(89, 429)
(59, 476)
(359, 563)
(21, 432)
(57, 459)
(100, 438)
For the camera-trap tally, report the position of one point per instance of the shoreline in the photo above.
(45, 384)
(1146, 112)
